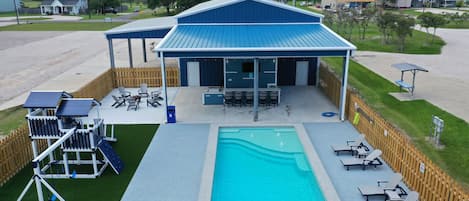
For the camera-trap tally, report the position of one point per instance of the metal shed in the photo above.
(223, 32)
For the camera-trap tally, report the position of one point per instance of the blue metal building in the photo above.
(242, 44)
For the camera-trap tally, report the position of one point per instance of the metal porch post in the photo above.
(111, 53)
(129, 43)
(343, 90)
(144, 46)
(256, 86)
(318, 66)
(163, 83)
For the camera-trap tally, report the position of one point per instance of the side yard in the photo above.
(414, 118)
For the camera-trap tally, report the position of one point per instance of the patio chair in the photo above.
(124, 93)
(263, 98)
(143, 91)
(118, 101)
(370, 160)
(351, 145)
(273, 98)
(133, 104)
(382, 185)
(249, 98)
(238, 98)
(154, 101)
(228, 98)
(156, 94)
(413, 196)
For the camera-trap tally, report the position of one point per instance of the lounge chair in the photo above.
(413, 196)
(351, 145)
(123, 92)
(143, 91)
(118, 101)
(370, 160)
(379, 190)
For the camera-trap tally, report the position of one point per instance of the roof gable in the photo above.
(246, 11)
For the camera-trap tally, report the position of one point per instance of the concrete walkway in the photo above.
(447, 83)
(172, 166)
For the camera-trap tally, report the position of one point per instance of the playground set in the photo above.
(77, 143)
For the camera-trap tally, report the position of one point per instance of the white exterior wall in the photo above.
(403, 3)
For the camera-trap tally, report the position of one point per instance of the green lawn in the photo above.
(417, 44)
(414, 117)
(452, 25)
(11, 119)
(132, 143)
(63, 26)
(158, 12)
(97, 17)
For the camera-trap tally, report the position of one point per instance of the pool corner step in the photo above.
(302, 163)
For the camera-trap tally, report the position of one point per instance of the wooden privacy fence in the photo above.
(98, 88)
(133, 77)
(16, 152)
(419, 172)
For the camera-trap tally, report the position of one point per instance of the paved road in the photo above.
(57, 61)
(447, 83)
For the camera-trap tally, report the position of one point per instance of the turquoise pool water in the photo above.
(262, 164)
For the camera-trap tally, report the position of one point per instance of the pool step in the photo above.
(302, 163)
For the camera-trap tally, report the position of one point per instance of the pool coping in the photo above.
(208, 172)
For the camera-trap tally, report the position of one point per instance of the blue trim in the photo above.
(140, 34)
(248, 12)
(331, 53)
(211, 71)
(183, 70)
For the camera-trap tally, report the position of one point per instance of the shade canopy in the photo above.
(44, 99)
(252, 39)
(75, 107)
(408, 67)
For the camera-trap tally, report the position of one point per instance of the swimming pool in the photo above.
(262, 163)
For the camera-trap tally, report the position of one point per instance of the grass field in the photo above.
(34, 18)
(11, 119)
(97, 17)
(63, 26)
(132, 143)
(452, 25)
(417, 44)
(414, 117)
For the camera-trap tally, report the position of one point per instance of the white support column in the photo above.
(343, 90)
(34, 146)
(66, 168)
(37, 180)
(111, 53)
(131, 62)
(51, 155)
(163, 83)
(256, 86)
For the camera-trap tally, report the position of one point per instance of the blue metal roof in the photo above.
(44, 99)
(252, 37)
(75, 107)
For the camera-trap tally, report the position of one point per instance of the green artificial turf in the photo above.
(63, 26)
(11, 119)
(414, 117)
(132, 143)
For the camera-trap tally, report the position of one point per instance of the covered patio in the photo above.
(299, 104)
(255, 43)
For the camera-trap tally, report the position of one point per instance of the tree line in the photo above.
(100, 6)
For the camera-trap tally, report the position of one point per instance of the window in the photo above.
(248, 67)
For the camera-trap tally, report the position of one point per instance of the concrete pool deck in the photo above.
(173, 167)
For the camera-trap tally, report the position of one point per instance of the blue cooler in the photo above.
(171, 115)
